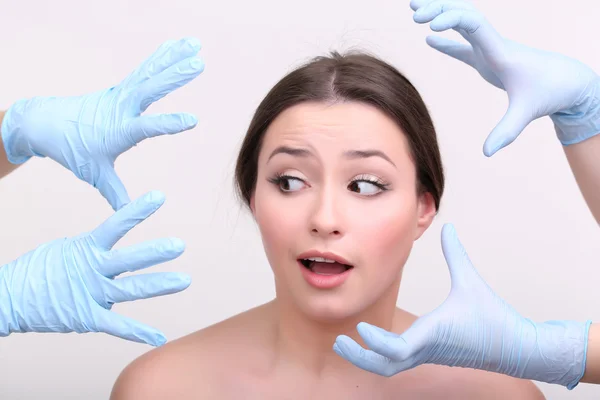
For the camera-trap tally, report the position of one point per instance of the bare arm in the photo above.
(6, 167)
(584, 159)
(592, 365)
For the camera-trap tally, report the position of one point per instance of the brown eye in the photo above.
(288, 183)
(284, 184)
(367, 186)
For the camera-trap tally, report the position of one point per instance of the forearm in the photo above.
(584, 159)
(592, 365)
(6, 166)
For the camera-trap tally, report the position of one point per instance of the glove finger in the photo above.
(402, 347)
(168, 54)
(111, 188)
(117, 225)
(508, 129)
(462, 271)
(145, 286)
(368, 360)
(140, 256)
(169, 80)
(457, 19)
(148, 126)
(416, 4)
(460, 51)
(473, 26)
(128, 329)
(432, 9)
(135, 76)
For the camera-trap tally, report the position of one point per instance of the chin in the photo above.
(330, 307)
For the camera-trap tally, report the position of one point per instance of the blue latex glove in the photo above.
(474, 328)
(87, 133)
(69, 285)
(538, 83)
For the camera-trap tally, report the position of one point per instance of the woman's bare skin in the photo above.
(240, 358)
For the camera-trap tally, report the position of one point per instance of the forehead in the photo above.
(336, 127)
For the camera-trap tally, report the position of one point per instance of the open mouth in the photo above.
(324, 266)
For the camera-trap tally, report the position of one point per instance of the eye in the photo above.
(288, 183)
(367, 185)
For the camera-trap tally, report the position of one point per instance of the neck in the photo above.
(307, 343)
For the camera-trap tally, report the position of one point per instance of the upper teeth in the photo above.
(320, 259)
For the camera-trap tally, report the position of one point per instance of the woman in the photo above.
(340, 167)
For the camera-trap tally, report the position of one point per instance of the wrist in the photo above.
(15, 143)
(592, 360)
(582, 121)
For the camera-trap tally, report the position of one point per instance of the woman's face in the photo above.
(337, 205)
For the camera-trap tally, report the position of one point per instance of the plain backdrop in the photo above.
(519, 214)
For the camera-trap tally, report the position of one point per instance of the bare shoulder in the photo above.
(194, 366)
(432, 381)
(163, 372)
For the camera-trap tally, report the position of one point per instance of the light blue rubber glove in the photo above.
(86, 134)
(474, 328)
(538, 83)
(69, 285)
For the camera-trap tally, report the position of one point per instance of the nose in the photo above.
(325, 220)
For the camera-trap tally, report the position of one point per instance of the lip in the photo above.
(324, 281)
(327, 255)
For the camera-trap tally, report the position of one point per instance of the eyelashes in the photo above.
(283, 182)
(366, 185)
(362, 182)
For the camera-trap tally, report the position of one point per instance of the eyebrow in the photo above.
(350, 154)
(354, 154)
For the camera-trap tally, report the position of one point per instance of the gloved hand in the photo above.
(474, 328)
(69, 285)
(87, 133)
(538, 83)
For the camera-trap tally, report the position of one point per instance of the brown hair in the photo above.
(349, 77)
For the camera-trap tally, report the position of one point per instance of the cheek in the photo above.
(278, 223)
(387, 230)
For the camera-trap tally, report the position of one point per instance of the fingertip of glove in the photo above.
(418, 18)
(339, 346)
(361, 326)
(438, 26)
(337, 349)
(197, 64)
(190, 120)
(185, 279)
(491, 147)
(159, 341)
(433, 41)
(155, 196)
(177, 245)
(192, 42)
(488, 152)
(449, 235)
(448, 229)
(414, 5)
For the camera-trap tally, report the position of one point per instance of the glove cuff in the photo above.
(8, 323)
(560, 353)
(15, 144)
(582, 121)
(586, 330)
